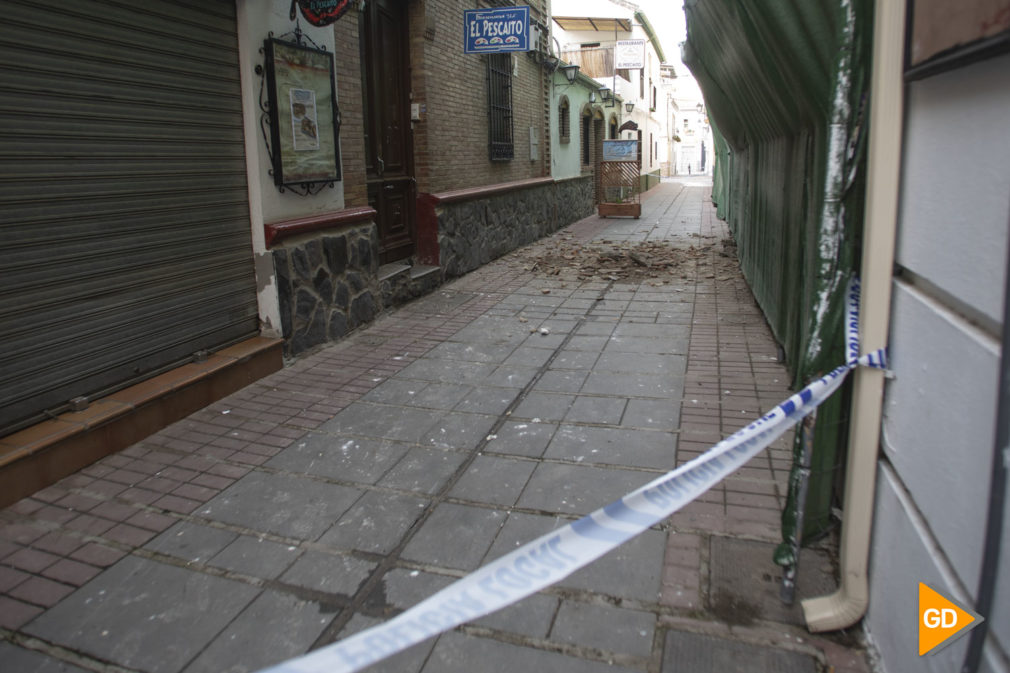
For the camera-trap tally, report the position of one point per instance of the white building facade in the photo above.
(601, 36)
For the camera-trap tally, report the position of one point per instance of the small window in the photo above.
(564, 121)
(499, 107)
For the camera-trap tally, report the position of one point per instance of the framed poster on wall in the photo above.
(303, 113)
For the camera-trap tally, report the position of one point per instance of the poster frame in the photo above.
(291, 66)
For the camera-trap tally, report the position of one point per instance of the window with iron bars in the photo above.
(564, 121)
(499, 107)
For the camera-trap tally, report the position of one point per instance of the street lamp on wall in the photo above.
(570, 71)
(629, 106)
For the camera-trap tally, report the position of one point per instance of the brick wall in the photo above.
(352, 129)
(451, 141)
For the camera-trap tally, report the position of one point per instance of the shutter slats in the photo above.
(123, 199)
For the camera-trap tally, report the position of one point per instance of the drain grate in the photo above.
(694, 653)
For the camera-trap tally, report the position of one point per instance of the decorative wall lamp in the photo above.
(571, 72)
(629, 106)
(607, 96)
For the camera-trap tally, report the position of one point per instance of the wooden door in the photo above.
(388, 135)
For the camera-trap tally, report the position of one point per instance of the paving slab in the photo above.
(578, 489)
(628, 447)
(455, 430)
(254, 640)
(662, 386)
(376, 523)
(423, 470)
(651, 414)
(335, 574)
(605, 627)
(447, 371)
(632, 571)
(491, 400)
(401, 588)
(456, 653)
(597, 409)
(544, 406)
(493, 480)
(23, 660)
(412, 393)
(145, 615)
(476, 351)
(471, 530)
(522, 438)
(256, 557)
(348, 459)
(288, 505)
(380, 421)
(408, 661)
(531, 617)
(560, 381)
(511, 376)
(191, 542)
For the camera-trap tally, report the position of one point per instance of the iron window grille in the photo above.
(564, 121)
(501, 146)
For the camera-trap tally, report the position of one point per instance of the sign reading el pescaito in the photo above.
(490, 31)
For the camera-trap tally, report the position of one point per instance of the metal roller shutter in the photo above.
(123, 206)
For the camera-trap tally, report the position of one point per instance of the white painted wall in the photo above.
(956, 193)
(256, 19)
(638, 89)
(566, 158)
(939, 420)
(940, 409)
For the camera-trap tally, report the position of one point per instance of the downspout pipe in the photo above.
(848, 604)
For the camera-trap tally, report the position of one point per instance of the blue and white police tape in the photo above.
(552, 557)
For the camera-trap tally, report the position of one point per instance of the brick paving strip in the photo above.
(370, 473)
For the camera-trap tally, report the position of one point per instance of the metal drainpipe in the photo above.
(848, 604)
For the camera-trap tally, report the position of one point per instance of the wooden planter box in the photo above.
(621, 209)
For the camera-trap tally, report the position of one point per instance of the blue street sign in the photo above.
(489, 31)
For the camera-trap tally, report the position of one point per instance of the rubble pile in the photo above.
(569, 259)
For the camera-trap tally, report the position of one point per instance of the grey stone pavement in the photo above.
(365, 476)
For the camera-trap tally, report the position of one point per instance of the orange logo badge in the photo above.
(941, 620)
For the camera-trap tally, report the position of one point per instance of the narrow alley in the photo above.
(372, 472)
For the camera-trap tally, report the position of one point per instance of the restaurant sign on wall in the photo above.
(492, 31)
(320, 12)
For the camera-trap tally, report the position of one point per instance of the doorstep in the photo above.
(42, 454)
